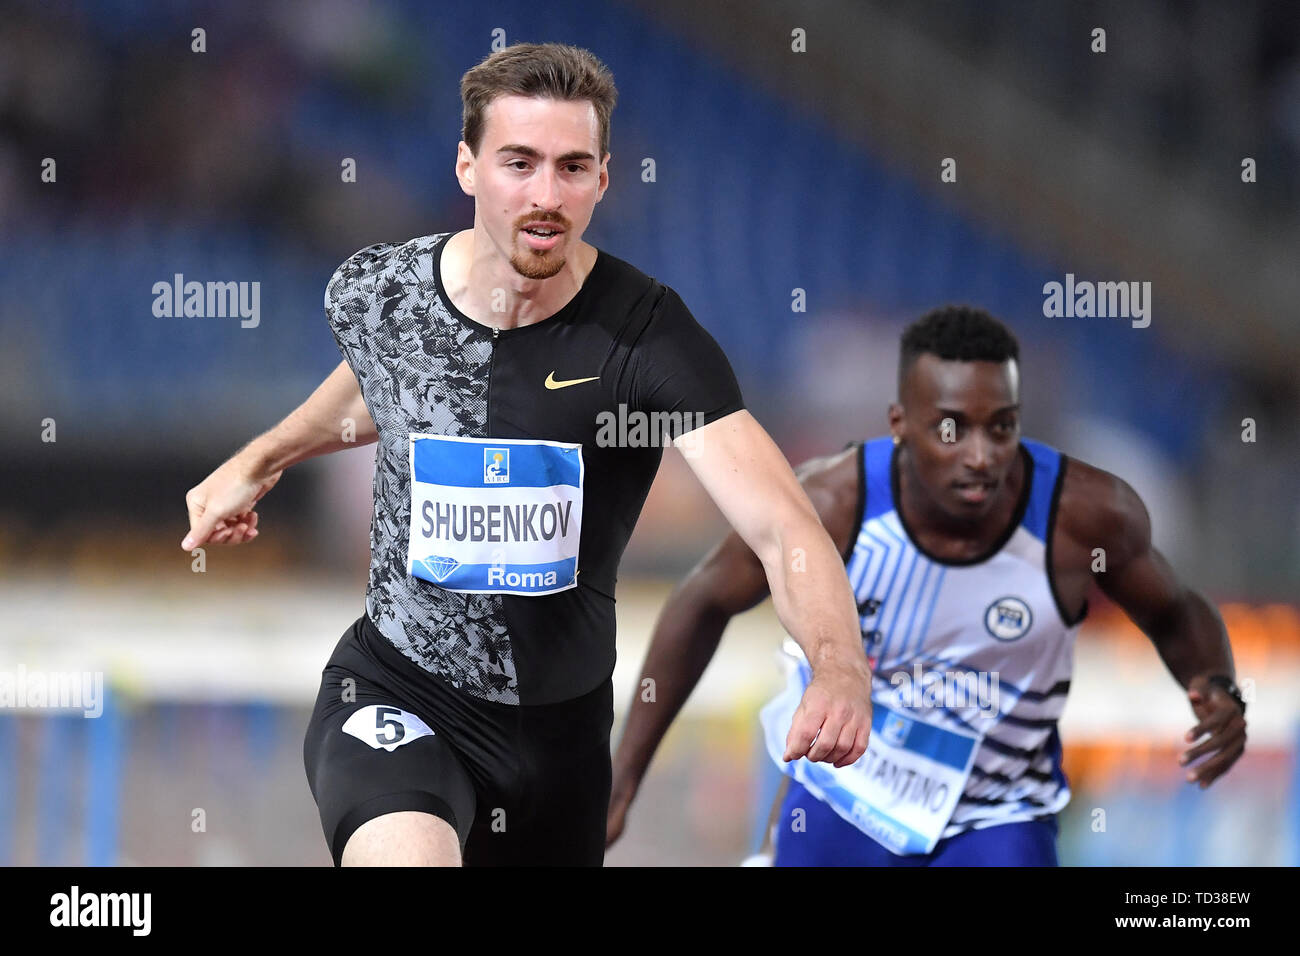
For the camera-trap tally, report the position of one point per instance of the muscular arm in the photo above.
(729, 580)
(1099, 510)
(315, 427)
(221, 506)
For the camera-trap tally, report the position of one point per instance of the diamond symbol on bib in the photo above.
(440, 566)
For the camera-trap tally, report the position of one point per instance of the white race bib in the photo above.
(902, 791)
(385, 727)
(495, 515)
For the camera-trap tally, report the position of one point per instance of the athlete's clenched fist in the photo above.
(833, 720)
(221, 506)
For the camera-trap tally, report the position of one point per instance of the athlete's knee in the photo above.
(403, 838)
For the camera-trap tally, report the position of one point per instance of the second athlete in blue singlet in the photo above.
(971, 553)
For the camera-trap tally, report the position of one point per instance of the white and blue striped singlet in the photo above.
(998, 612)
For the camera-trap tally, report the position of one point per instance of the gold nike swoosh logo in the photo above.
(552, 383)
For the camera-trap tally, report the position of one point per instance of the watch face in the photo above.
(1231, 689)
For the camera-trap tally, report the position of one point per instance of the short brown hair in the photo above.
(548, 70)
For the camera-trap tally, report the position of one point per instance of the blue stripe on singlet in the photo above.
(916, 605)
(890, 552)
(934, 599)
(875, 469)
(897, 603)
(1047, 461)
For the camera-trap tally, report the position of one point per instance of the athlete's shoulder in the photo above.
(623, 273)
(833, 483)
(656, 298)
(648, 317)
(378, 259)
(837, 466)
(1100, 509)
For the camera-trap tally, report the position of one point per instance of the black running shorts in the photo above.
(521, 784)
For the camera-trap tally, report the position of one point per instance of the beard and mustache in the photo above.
(539, 263)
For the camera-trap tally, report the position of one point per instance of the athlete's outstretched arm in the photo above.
(221, 506)
(729, 581)
(1100, 510)
(751, 482)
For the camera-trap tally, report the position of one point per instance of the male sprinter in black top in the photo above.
(514, 377)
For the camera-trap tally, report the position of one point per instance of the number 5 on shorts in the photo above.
(385, 727)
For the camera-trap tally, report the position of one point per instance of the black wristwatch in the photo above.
(1230, 688)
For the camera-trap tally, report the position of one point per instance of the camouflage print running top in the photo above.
(524, 456)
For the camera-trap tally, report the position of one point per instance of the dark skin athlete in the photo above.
(957, 498)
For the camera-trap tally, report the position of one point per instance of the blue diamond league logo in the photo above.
(440, 566)
(895, 729)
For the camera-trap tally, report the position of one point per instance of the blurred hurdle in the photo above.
(70, 749)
